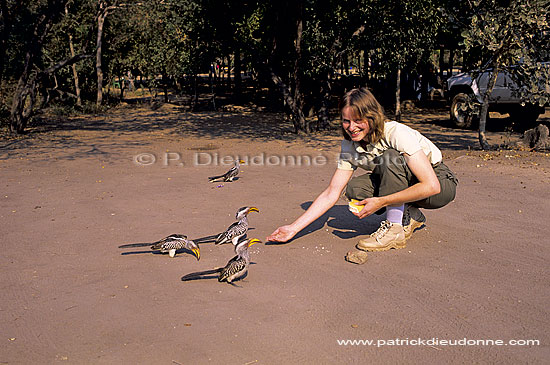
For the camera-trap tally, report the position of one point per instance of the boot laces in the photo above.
(382, 230)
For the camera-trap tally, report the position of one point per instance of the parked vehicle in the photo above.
(465, 95)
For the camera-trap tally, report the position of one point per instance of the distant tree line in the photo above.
(305, 52)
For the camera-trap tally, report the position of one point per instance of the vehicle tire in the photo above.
(462, 116)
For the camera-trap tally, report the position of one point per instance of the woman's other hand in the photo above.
(282, 234)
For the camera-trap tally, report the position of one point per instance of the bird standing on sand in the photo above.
(176, 242)
(238, 229)
(229, 175)
(235, 269)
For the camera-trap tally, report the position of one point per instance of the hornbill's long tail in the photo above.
(216, 178)
(200, 274)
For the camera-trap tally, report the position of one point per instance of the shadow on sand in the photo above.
(345, 225)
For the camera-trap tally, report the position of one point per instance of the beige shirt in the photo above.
(397, 136)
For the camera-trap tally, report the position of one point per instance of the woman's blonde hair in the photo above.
(364, 106)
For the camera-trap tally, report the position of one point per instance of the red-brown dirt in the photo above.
(72, 193)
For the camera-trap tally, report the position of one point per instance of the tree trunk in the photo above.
(359, 64)
(102, 14)
(165, 87)
(6, 31)
(237, 83)
(398, 95)
(323, 120)
(75, 73)
(99, 70)
(122, 83)
(22, 107)
(484, 114)
(345, 61)
(24, 97)
(216, 72)
(298, 99)
(195, 92)
(298, 119)
(211, 74)
(222, 75)
(228, 85)
(451, 62)
(441, 61)
(485, 106)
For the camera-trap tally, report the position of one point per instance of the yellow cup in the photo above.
(354, 207)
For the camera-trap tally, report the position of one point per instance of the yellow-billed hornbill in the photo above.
(229, 175)
(238, 229)
(235, 269)
(176, 242)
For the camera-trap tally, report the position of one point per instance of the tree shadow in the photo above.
(111, 134)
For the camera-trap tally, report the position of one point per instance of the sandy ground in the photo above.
(71, 194)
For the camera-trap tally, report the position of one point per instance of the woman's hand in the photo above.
(282, 234)
(371, 206)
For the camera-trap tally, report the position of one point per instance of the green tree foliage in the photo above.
(514, 36)
(36, 67)
(76, 26)
(297, 48)
(404, 34)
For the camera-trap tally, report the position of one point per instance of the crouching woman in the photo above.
(404, 173)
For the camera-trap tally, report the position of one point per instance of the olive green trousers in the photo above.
(392, 174)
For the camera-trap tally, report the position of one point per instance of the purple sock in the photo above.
(395, 214)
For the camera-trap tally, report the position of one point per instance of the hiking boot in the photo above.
(388, 235)
(412, 219)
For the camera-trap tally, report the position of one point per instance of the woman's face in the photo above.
(356, 128)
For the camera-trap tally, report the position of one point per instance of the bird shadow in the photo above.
(136, 253)
(203, 277)
(215, 276)
(345, 225)
(139, 244)
(205, 239)
(155, 252)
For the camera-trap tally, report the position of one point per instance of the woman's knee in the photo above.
(360, 188)
(445, 196)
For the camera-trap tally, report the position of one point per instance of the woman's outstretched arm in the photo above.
(322, 203)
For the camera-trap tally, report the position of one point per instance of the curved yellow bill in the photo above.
(253, 241)
(197, 253)
(253, 209)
